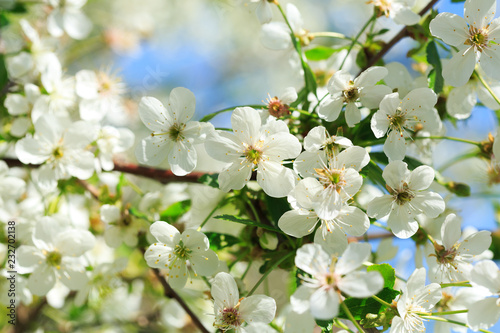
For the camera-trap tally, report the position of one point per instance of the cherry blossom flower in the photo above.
(263, 11)
(398, 10)
(61, 147)
(232, 312)
(67, 16)
(344, 89)
(474, 36)
(415, 298)
(452, 259)
(276, 35)
(331, 275)
(485, 313)
(173, 134)
(406, 199)
(399, 118)
(100, 92)
(278, 107)
(253, 146)
(332, 184)
(55, 255)
(173, 250)
(112, 141)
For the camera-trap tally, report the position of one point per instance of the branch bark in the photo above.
(395, 39)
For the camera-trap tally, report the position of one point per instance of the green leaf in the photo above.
(388, 273)
(326, 325)
(4, 78)
(175, 210)
(276, 207)
(361, 59)
(373, 172)
(240, 220)
(360, 307)
(219, 241)
(210, 180)
(320, 53)
(436, 81)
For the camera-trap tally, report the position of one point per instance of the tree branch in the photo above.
(395, 39)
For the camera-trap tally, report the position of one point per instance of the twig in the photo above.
(91, 188)
(395, 39)
(170, 293)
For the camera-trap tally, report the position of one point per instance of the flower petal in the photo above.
(483, 314)
(466, 61)
(258, 308)
(224, 291)
(354, 256)
(330, 108)
(361, 284)
(451, 28)
(298, 223)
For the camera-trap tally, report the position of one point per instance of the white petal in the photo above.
(420, 98)
(74, 242)
(401, 222)
(276, 36)
(76, 24)
(396, 173)
(204, 263)
(29, 256)
(275, 179)
(465, 60)
(451, 231)
(224, 291)
(324, 304)
(333, 241)
(294, 17)
(352, 114)
(429, 203)
(373, 95)
(29, 150)
(109, 213)
(461, 101)
(297, 223)
(315, 138)
(42, 280)
(312, 259)
(300, 299)
(371, 76)
(258, 308)
(153, 150)
(82, 166)
(177, 275)
(154, 115)
(421, 178)
(483, 314)
(73, 279)
(181, 103)
(225, 147)
(490, 61)
(353, 221)
(339, 82)
(353, 157)
(479, 12)
(380, 207)
(354, 256)
(307, 161)
(486, 274)
(165, 233)
(476, 243)
(406, 16)
(16, 104)
(361, 284)
(451, 28)
(246, 124)
(182, 158)
(395, 146)
(87, 84)
(264, 12)
(289, 95)
(20, 127)
(236, 176)
(330, 108)
(281, 146)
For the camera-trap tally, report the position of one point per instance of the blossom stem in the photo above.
(351, 317)
(487, 86)
(381, 141)
(457, 159)
(276, 264)
(449, 312)
(213, 114)
(456, 284)
(330, 34)
(212, 212)
(381, 301)
(444, 320)
(340, 324)
(247, 269)
(372, 18)
(307, 113)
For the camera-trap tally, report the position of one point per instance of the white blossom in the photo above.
(485, 313)
(67, 16)
(406, 199)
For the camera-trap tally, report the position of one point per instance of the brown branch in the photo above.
(91, 188)
(161, 175)
(395, 39)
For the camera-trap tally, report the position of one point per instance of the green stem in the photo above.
(135, 188)
(340, 324)
(304, 112)
(444, 320)
(351, 317)
(209, 285)
(372, 18)
(381, 301)
(456, 284)
(252, 208)
(449, 312)
(457, 159)
(247, 269)
(329, 34)
(487, 86)
(382, 140)
(213, 114)
(276, 264)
